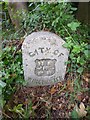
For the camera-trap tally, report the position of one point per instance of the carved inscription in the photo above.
(44, 58)
(45, 50)
(54, 79)
(45, 67)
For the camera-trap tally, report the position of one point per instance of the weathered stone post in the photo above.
(44, 58)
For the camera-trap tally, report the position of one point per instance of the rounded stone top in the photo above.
(44, 58)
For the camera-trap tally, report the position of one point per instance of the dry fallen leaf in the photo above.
(34, 107)
(13, 75)
(53, 90)
(86, 77)
(70, 85)
(79, 96)
(60, 84)
(81, 110)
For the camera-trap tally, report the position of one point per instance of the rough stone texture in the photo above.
(44, 58)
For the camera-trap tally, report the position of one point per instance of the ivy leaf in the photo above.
(86, 52)
(2, 84)
(80, 70)
(73, 25)
(74, 115)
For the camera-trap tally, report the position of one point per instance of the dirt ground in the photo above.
(53, 102)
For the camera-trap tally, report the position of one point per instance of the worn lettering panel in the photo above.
(44, 58)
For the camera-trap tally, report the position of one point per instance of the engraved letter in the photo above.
(60, 54)
(41, 49)
(31, 54)
(47, 49)
(56, 52)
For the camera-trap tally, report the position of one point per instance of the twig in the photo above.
(7, 115)
(64, 87)
(18, 47)
(68, 33)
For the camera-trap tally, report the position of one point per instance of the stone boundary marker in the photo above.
(44, 58)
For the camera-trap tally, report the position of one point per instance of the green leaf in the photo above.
(2, 84)
(74, 115)
(86, 52)
(65, 45)
(68, 45)
(80, 70)
(73, 25)
(78, 59)
(74, 9)
(76, 49)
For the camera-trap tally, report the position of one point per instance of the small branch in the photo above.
(68, 33)
(7, 115)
